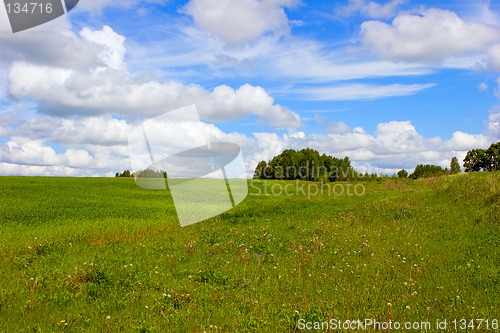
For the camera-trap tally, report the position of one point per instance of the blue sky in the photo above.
(390, 84)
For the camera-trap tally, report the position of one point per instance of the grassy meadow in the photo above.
(103, 255)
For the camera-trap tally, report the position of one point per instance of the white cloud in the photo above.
(113, 49)
(370, 9)
(494, 125)
(107, 87)
(484, 14)
(96, 6)
(429, 36)
(104, 90)
(463, 141)
(360, 91)
(33, 170)
(28, 152)
(58, 49)
(240, 21)
(104, 130)
(497, 90)
(393, 146)
(332, 126)
(494, 58)
(483, 86)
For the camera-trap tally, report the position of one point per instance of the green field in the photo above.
(103, 255)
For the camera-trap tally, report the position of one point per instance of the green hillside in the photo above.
(103, 255)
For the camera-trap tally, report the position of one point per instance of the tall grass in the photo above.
(102, 255)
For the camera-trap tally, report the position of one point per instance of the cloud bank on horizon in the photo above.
(390, 84)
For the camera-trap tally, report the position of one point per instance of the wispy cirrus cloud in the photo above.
(360, 91)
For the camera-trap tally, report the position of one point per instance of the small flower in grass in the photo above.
(407, 307)
(414, 293)
(63, 323)
(108, 317)
(389, 304)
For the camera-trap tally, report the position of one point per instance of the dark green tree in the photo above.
(260, 170)
(306, 164)
(492, 160)
(149, 173)
(125, 173)
(403, 173)
(454, 166)
(424, 171)
(475, 160)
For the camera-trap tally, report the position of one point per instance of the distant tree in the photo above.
(149, 173)
(454, 166)
(306, 164)
(492, 160)
(475, 160)
(125, 173)
(260, 170)
(424, 171)
(403, 173)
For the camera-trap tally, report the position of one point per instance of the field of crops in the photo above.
(103, 255)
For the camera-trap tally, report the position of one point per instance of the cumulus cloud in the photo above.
(429, 36)
(393, 145)
(370, 9)
(113, 50)
(332, 126)
(66, 92)
(108, 87)
(240, 21)
(28, 152)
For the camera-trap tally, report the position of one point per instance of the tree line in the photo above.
(483, 160)
(308, 164)
(148, 173)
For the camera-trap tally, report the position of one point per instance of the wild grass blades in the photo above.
(104, 255)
